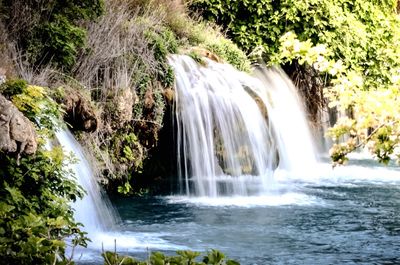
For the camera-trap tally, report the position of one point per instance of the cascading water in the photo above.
(288, 118)
(234, 129)
(97, 215)
(94, 211)
(231, 128)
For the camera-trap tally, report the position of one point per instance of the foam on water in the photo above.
(289, 187)
(290, 198)
(131, 241)
(124, 242)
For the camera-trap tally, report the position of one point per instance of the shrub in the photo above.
(35, 215)
(183, 257)
(360, 59)
(50, 31)
(13, 87)
(36, 218)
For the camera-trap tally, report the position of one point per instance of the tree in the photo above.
(362, 37)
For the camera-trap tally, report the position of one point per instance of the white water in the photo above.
(94, 211)
(288, 117)
(97, 215)
(219, 100)
(219, 108)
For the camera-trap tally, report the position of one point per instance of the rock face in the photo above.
(206, 53)
(17, 133)
(124, 105)
(2, 75)
(79, 112)
(169, 96)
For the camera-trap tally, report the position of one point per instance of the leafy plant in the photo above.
(36, 105)
(228, 51)
(13, 87)
(50, 31)
(35, 215)
(352, 43)
(36, 218)
(183, 257)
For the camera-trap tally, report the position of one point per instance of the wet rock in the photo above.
(80, 114)
(149, 99)
(169, 96)
(17, 133)
(259, 101)
(206, 53)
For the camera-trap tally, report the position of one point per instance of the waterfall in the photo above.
(94, 211)
(288, 117)
(234, 130)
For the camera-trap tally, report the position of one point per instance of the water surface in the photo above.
(350, 216)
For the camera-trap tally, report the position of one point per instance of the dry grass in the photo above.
(22, 18)
(119, 55)
(5, 61)
(118, 48)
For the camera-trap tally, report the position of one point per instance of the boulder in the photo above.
(79, 112)
(17, 133)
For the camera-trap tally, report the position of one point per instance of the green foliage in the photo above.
(205, 36)
(12, 87)
(64, 41)
(196, 57)
(35, 103)
(142, 87)
(163, 42)
(35, 215)
(185, 257)
(127, 148)
(345, 26)
(36, 191)
(50, 31)
(228, 51)
(37, 106)
(354, 43)
(360, 33)
(128, 155)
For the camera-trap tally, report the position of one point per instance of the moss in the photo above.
(34, 102)
(196, 57)
(228, 51)
(13, 87)
(204, 35)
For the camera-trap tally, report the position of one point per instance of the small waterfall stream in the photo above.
(235, 129)
(296, 145)
(94, 211)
